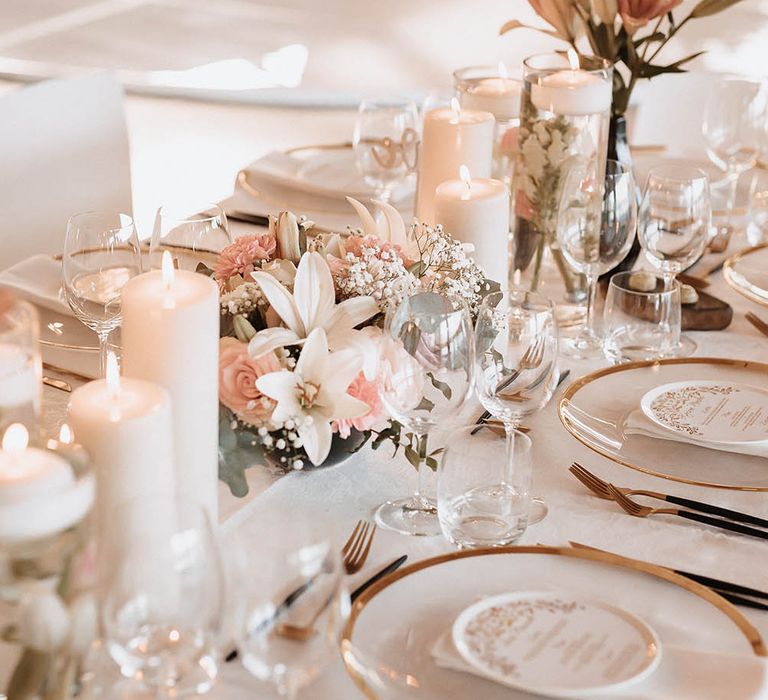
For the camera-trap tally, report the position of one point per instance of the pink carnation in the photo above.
(240, 257)
(367, 392)
(238, 373)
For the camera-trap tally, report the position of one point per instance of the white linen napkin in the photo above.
(683, 674)
(37, 279)
(637, 423)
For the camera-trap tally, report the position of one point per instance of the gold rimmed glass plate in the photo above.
(747, 273)
(387, 644)
(596, 410)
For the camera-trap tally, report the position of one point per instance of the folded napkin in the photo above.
(637, 423)
(314, 187)
(37, 279)
(683, 674)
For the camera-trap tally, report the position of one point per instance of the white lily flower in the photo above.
(285, 228)
(315, 393)
(390, 228)
(312, 305)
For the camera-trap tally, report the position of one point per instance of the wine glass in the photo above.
(162, 601)
(292, 605)
(734, 129)
(191, 239)
(426, 378)
(595, 231)
(386, 140)
(516, 343)
(674, 223)
(101, 253)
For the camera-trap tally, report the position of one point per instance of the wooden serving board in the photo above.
(707, 314)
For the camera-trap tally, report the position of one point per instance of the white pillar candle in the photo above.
(125, 426)
(572, 92)
(39, 495)
(170, 336)
(450, 138)
(476, 211)
(19, 377)
(499, 96)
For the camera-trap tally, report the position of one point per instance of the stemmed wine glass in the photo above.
(516, 344)
(189, 238)
(292, 605)
(674, 223)
(427, 377)
(595, 232)
(101, 253)
(734, 129)
(385, 140)
(163, 595)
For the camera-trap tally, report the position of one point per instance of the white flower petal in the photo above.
(271, 339)
(349, 407)
(367, 344)
(316, 438)
(395, 224)
(281, 386)
(349, 314)
(369, 224)
(313, 291)
(343, 367)
(281, 301)
(313, 361)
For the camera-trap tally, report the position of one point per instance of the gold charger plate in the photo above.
(747, 273)
(387, 640)
(602, 425)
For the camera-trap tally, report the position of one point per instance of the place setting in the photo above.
(386, 420)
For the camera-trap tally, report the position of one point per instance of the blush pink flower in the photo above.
(368, 392)
(240, 257)
(637, 13)
(238, 373)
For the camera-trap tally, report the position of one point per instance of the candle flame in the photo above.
(167, 267)
(16, 438)
(573, 59)
(65, 434)
(113, 374)
(503, 72)
(466, 178)
(456, 109)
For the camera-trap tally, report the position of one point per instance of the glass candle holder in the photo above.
(490, 89)
(564, 119)
(20, 365)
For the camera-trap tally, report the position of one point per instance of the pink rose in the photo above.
(238, 373)
(367, 392)
(240, 257)
(637, 13)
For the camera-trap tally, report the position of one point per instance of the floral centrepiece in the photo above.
(302, 317)
(612, 30)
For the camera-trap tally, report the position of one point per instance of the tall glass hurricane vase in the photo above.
(595, 232)
(427, 376)
(564, 120)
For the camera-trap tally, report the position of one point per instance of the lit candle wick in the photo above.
(456, 109)
(573, 60)
(16, 438)
(65, 435)
(168, 278)
(466, 178)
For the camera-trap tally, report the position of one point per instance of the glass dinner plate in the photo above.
(747, 273)
(387, 643)
(595, 410)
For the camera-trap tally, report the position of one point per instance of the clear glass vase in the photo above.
(564, 122)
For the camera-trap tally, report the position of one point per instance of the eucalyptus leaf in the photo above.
(442, 387)
(711, 7)
(203, 269)
(243, 328)
(418, 268)
(412, 456)
(425, 405)
(233, 461)
(431, 462)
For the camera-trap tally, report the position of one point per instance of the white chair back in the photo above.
(63, 150)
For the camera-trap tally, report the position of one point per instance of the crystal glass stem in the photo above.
(103, 351)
